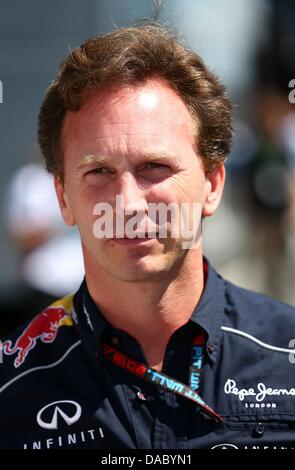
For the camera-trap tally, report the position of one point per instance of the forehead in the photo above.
(148, 109)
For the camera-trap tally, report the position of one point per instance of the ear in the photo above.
(63, 201)
(214, 189)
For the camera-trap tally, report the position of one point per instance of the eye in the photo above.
(155, 171)
(98, 171)
(153, 165)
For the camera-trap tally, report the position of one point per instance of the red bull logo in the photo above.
(44, 327)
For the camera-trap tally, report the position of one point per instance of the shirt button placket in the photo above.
(160, 429)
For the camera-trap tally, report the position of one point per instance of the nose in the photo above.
(132, 197)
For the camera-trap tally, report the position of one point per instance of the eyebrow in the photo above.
(89, 159)
(103, 159)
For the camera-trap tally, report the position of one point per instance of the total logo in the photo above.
(251, 447)
(63, 414)
(224, 446)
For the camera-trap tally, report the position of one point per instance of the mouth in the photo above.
(140, 239)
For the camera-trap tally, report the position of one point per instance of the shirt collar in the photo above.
(90, 322)
(207, 314)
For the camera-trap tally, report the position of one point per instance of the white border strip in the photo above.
(49, 366)
(257, 341)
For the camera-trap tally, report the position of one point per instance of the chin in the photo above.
(145, 270)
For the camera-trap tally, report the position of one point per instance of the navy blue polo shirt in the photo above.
(57, 390)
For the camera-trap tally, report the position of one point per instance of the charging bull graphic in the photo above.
(43, 327)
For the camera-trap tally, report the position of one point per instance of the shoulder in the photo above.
(34, 362)
(39, 339)
(258, 355)
(258, 315)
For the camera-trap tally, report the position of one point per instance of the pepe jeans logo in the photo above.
(260, 393)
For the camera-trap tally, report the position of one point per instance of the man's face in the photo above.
(137, 143)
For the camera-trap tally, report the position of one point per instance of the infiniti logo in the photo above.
(66, 410)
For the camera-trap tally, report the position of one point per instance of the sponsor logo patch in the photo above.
(43, 327)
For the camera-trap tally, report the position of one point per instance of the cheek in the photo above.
(82, 204)
(83, 197)
(183, 187)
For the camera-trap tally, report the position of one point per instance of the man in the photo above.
(155, 350)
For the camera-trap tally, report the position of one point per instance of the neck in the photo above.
(150, 311)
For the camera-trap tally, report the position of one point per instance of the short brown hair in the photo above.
(133, 55)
